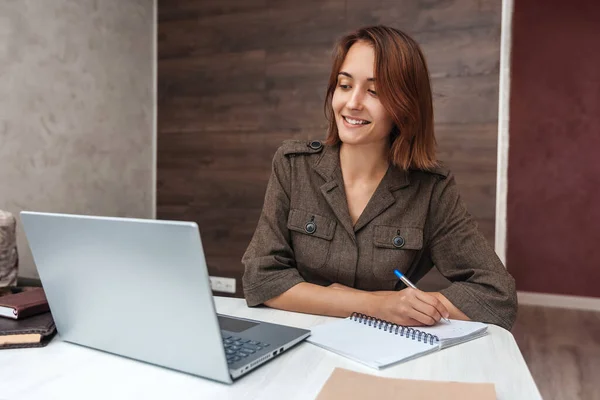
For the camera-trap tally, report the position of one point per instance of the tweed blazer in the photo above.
(414, 220)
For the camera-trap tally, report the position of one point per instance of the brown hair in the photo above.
(403, 88)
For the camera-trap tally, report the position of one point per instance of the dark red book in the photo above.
(24, 304)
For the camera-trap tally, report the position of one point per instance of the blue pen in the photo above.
(408, 283)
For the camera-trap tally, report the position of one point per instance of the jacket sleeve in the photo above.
(270, 267)
(481, 286)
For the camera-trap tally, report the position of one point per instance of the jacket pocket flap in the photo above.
(311, 224)
(396, 237)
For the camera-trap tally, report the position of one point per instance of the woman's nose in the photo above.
(355, 102)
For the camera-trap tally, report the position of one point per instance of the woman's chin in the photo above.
(350, 137)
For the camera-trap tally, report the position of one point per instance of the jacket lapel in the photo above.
(383, 197)
(328, 167)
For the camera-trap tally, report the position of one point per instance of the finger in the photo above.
(416, 309)
(434, 302)
(426, 309)
(411, 322)
(421, 301)
(419, 316)
(404, 320)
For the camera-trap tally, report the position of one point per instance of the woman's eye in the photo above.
(374, 93)
(345, 87)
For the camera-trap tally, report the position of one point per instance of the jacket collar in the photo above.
(328, 167)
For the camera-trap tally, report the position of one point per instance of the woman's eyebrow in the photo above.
(350, 76)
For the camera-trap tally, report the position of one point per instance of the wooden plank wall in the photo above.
(236, 77)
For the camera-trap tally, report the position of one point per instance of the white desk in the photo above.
(66, 371)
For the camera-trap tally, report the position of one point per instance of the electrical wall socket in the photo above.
(220, 284)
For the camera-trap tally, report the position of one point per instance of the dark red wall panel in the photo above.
(553, 208)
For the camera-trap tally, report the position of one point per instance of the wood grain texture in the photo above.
(562, 349)
(200, 76)
(186, 9)
(236, 78)
(206, 34)
(425, 15)
(471, 99)
(479, 50)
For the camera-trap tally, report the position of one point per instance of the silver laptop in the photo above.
(140, 289)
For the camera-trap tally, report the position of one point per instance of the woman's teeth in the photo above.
(356, 121)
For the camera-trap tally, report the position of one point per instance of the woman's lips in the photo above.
(353, 122)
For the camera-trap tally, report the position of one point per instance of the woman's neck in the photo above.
(363, 162)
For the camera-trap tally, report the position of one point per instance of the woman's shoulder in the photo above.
(299, 147)
(439, 180)
(439, 172)
(300, 150)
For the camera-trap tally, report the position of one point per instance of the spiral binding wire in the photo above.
(406, 331)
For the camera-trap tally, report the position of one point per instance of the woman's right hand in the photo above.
(409, 307)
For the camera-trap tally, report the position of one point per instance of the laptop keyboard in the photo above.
(237, 348)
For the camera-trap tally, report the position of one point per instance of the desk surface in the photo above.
(67, 371)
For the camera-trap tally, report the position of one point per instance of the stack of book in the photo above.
(25, 319)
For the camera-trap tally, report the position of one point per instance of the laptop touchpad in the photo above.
(235, 325)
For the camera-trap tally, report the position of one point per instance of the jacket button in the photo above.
(398, 241)
(310, 227)
(315, 145)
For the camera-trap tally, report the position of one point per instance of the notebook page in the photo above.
(371, 346)
(456, 331)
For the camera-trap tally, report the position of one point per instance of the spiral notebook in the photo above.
(379, 343)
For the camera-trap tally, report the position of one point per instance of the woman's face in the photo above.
(359, 115)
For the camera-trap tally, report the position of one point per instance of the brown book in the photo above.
(24, 304)
(34, 331)
(350, 385)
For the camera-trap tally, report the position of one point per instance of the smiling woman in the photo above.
(397, 101)
(340, 217)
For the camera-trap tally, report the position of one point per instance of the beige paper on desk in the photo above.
(350, 385)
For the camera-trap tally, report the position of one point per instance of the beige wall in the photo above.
(76, 109)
